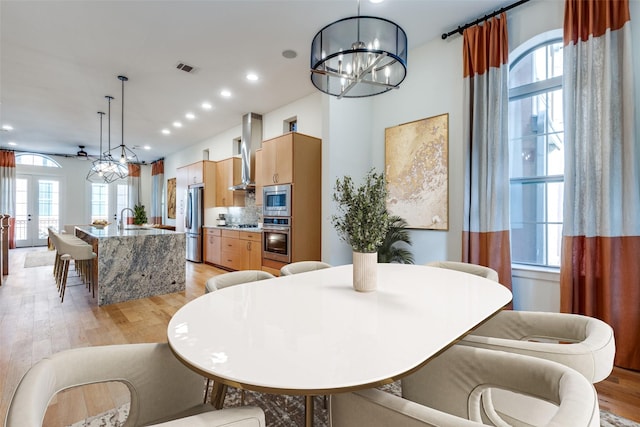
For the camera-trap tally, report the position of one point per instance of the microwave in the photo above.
(276, 200)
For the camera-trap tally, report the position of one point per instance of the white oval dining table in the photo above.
(313, 334)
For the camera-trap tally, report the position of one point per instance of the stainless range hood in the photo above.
(250, 142)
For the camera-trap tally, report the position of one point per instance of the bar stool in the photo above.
(72, 248)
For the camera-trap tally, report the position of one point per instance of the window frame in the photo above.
(530, 90)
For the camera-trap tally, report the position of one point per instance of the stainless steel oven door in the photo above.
(276, 244)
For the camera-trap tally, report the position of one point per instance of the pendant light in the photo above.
(111, 169)
(121, 154)
(96, 172)
(359, 56)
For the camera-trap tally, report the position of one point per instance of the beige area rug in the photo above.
(288, 411)
(39, 258)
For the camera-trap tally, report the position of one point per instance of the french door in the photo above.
(37, 209)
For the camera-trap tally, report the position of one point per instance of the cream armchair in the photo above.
(454, 390)
(162, 389)
(235, 278)
(302, 267)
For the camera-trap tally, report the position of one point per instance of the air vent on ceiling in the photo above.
(185, 67)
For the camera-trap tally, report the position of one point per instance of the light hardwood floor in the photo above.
(34, 324)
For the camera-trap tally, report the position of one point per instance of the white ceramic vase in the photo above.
(365, 271)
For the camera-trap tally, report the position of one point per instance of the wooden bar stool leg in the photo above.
(65, 272)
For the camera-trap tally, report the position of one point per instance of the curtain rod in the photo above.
(460, 29)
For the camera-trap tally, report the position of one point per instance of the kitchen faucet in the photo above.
(121, 223)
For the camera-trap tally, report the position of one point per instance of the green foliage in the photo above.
(139, 215)
(362, 219)
(389, 251)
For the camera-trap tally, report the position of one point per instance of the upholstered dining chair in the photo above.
(233, 278)
(478, 270)
(162, 390)
(453, 390)
(583, 343)
(302, 266)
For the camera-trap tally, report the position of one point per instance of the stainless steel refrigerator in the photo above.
(193, 224)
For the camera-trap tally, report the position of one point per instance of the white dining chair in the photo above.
(583, 343)
(477, 270)
(235, 278)
(163, 391)
(302, 267)
(222, 281)
(454, 390)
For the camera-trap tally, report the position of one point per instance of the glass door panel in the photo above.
(37, 209)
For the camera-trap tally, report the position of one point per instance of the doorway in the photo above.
(37, 209)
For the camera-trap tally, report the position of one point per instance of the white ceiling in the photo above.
(58, 60)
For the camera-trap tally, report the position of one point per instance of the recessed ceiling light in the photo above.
(206, 106)
(225, 93)
(190, 116)
(147, 147)
(177, 124)
(289, 54)
(13, 144)
(7, 127)
(376, 1)
(252, 77)
(166, 131)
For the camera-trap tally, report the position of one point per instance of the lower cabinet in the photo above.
(240, 250)
(212, 240)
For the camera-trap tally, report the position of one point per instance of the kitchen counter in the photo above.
(235, 228)
(136, 262)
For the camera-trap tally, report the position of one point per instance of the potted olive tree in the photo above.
(362, 222)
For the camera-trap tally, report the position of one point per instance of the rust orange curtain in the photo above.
(485, 236)
(133, 183)
(157, 185)
(8, 191)
(600, 272)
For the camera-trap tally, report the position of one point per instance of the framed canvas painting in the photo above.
(417, 172)
(171, 198)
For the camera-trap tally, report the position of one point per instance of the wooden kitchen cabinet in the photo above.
(212, 245)
(198, 173)
(229, 173)
(258, 176)
(284, 159)
(277, 160)
(195, 173)
(240, 250)
(252, 256)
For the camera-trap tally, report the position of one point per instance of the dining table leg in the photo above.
(308, 411)
(218, 393)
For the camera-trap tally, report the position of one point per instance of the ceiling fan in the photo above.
(81, 154)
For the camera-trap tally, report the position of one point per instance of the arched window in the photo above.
(31, 159)
(536, 146)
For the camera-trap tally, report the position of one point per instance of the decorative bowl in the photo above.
(100, 226)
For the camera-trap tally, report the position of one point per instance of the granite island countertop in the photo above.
(136, 262)
(128, 231)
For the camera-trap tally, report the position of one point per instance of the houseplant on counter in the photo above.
(139, 215)
(362, 222)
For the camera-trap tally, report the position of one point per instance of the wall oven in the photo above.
(276, 200)
(276, 239)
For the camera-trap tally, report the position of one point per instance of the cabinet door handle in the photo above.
(248, 246)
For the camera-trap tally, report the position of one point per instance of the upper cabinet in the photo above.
(195, 173)
(277, 160)
(198, 173)
(284, 159)
(229, 173)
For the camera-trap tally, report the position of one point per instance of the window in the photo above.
(536, 146)
(106, 198)
(99, 202)
(30, 159)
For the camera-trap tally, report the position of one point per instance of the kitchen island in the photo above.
(137, 262)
